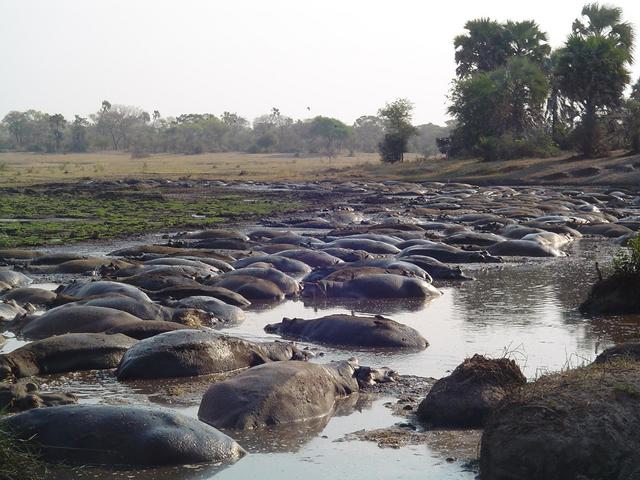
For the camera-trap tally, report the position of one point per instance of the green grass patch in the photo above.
(49, 217)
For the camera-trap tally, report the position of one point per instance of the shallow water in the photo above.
(525, 309)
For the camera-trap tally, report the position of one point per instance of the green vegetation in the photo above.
(398, 130)
(514, 97)
(627, 260)
(18, 461)
(48, 217)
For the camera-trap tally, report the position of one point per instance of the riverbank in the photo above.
(29, 169)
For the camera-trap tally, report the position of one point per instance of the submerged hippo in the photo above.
(288, 285)
(352, 331)
(224, 294)
(74, 319)
(373, 287)
(276, 394)
(437, 269)
(65, 353)
(252, 288)
(313, 258)
(284, 264)
(449, 254)
(188, 353)
(370, 246)
(120, 435)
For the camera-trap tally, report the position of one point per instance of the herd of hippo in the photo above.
(159, 311)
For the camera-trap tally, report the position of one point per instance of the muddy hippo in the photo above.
(373, 287)
(9, 309)
(228, 315)
(19, 254)
(146, 328)
(24, 395)
(277, 393)
(524, 248)
(34, 296)
(14, 279)
(79, 290)
(65, 353)
(74, 319)
(82, 265)
(188, 353)
(346, 254)
(284, 264)
(352, 331)
(252, 288)
(288, 285)
(223, 294)
(473, 238)
(436, 269)
(167, 250)
(313, 258)
(448, 254)
(120, 435)
(370, 246)
(218, 233)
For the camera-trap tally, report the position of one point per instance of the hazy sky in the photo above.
(341, 58)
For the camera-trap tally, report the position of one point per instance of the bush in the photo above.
(627, 260)
(506, 147)
(392, 147)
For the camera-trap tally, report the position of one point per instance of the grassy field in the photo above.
(42, 216)
(24, 168)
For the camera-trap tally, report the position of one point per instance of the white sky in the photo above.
(341, 58)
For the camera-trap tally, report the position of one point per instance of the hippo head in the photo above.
(371, 376)
(193, 317)
(280, 328)
(108, 270)
(317, 289)
(279, 351)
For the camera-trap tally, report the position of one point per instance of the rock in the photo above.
(579, 424)
(118, 435)
(617, 294)
(465, 398)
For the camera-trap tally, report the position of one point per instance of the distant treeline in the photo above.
(127, 128)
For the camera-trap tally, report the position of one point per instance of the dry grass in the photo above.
(29, 168)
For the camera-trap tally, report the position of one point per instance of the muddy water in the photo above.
(526, 309)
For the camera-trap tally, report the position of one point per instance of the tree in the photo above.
(332, 132)
(592, 69)
(396, 117)
(117, 123)
(57, 123)
(17, 124)
(79, 141)
(367, 132)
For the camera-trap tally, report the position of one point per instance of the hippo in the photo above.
(14, 279)
(291, 238)
(79, 290)
(185, 262)
(65, 353)
(473, 238)
(352, 331)
(284, 264)
(395, 265)
(19, 254)
(373, 287)
(313, 258)
(188, 353)
(35, 296)
(218, 233)
(252, 288)
(4, 287)
(9, 309)
(610, 230)
(553, 240)
(277, 393)
(376, 237)
(141, 309)
(224, 294)
(288, 285)
(449, 254)
(74, 319)
(347, 254)
(524, 248)
(167, 250)
(78, 266)
(159, 281)
(56, 258)
(120, 436)
(146, 328)
(437, 270)
(216, 263)
(370, 246)
(228, 315)
(24, 395)
(222, 244)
